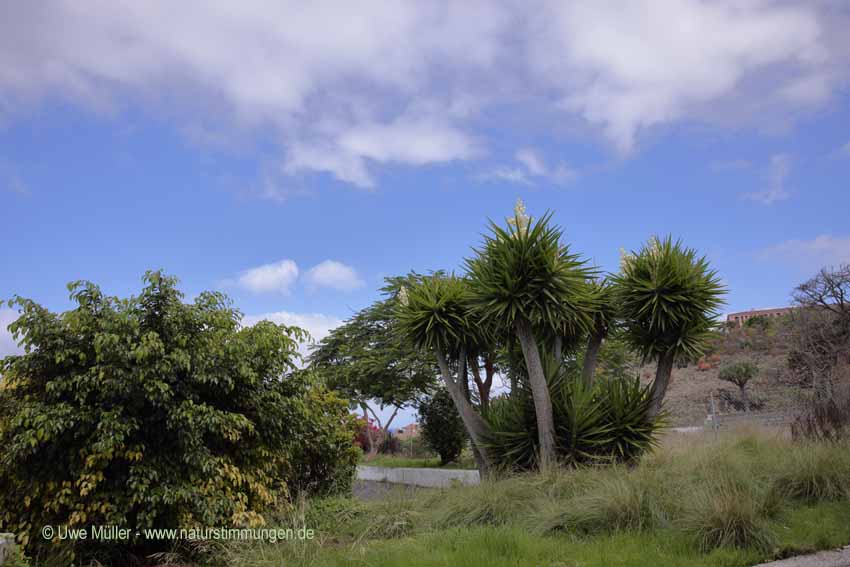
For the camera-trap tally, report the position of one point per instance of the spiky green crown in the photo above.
(525, 272)
(668, 298)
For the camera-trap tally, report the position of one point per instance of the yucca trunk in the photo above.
(662, 380)
(591, 355)
(476, 427)
(539, 392)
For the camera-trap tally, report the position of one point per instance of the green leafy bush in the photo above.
(442, 427)
(147, 412)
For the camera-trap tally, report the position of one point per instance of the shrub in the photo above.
(322, 456)
(367, 433)
(148, 412)
(826, 415)
(442, 427)
(607, 422)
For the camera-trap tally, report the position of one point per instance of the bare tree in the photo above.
(820, 352)
(820, 327)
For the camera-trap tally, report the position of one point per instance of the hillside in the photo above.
(691, 389)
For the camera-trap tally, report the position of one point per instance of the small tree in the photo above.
(668, 298)
(442, 427)
(740, 374)
(524, 279)
(435, 315)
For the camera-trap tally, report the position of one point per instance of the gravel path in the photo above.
(838, 558)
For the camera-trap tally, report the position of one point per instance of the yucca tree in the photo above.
(435, 316)
(524, 279)
(668, 298)
(604, 320)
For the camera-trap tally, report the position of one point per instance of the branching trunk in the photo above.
(483, 386)
(591, 355)
(384, 427)
(539, 393)
(476, 427)
(662, 380)
(745, 398)
(373, 449)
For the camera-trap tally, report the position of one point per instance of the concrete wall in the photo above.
(431, 478)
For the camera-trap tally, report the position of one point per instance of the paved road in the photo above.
(839, 558)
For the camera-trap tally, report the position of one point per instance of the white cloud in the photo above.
(824, 250)
(509, 174)
(277, 277)
(628, 66)
(348, 88)
(778, 171)
(532, 166)
(532, 162)
(7, 342)
(334, 275)
(407, 140)
(317, 324)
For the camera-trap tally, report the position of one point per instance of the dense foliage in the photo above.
(442, 427)
(606, 422)
(528, 273)
(148, 412)
(668, 298)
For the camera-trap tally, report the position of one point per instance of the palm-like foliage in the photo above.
(525, 272)
(668, 298)
(607, 422)
(435, 314)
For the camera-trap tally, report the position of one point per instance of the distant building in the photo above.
(408, 431)
(741, 317)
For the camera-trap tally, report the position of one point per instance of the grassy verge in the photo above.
(704, 502)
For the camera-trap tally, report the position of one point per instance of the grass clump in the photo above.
(725, 514)
(815, 472)
(616, 502)
(492, 503)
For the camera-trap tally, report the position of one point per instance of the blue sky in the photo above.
(293, 157)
